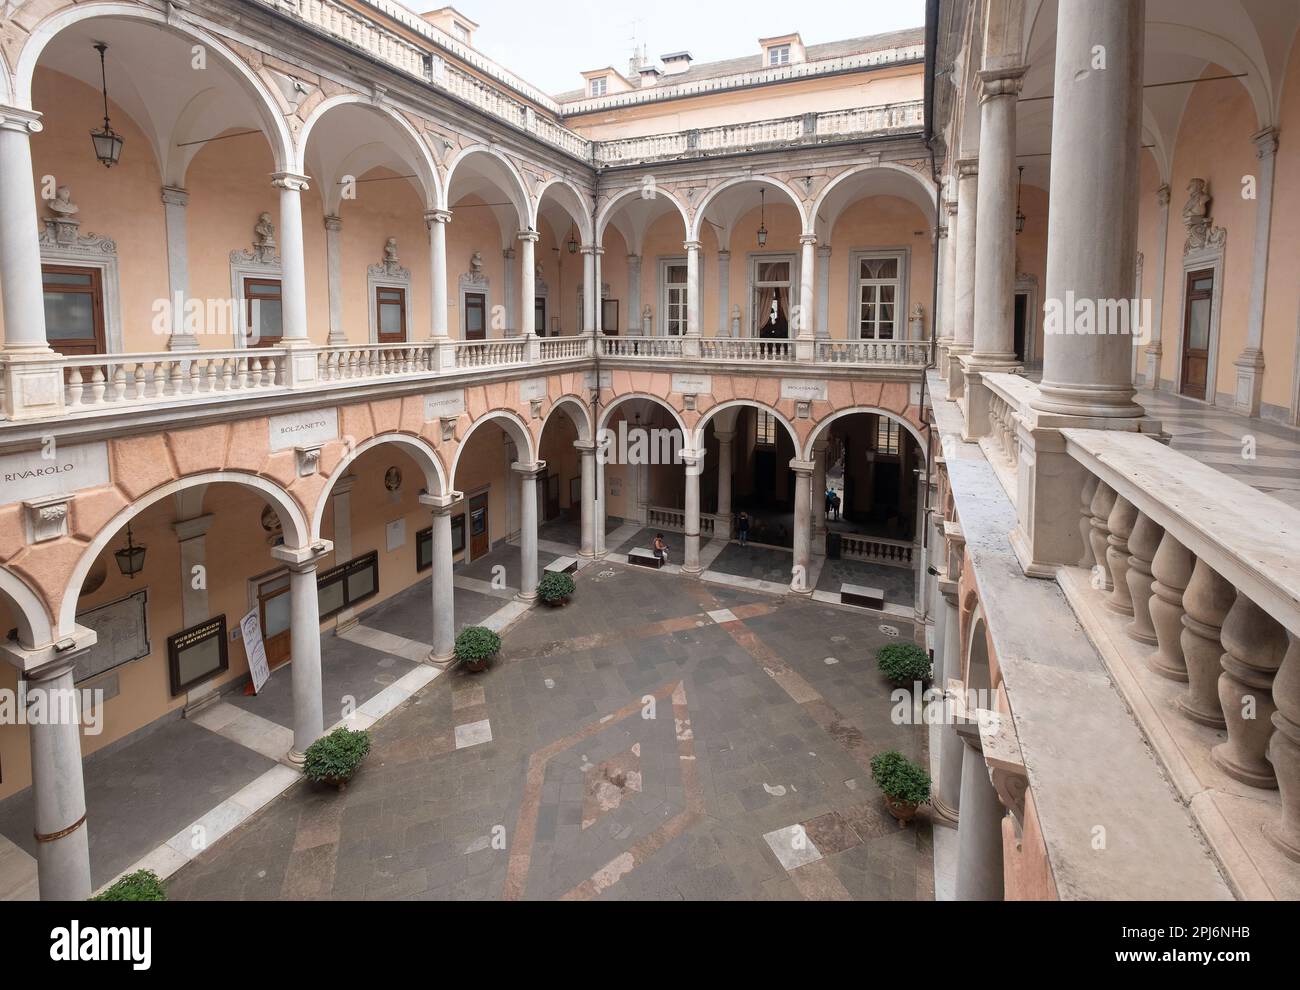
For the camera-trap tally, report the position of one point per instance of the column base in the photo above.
(956, 375)
(528, 597)
(1250, 382)
(441, 661)
(33, 383)
(942, 813)
(1153, 366)
(295, 758)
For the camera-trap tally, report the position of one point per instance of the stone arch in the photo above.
(657, 400)
(518, 191)
(583, 217)
(612, 206)
(435, 481)
(6, 85)
(296, 528)
(821, 427)
(977, 666)
(412, 147)
(29, 611)
(513, 426)
(577, 412)
(693, 230)
(275, 128)
(915, 182)
(698, 437)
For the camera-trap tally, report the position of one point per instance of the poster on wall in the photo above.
(250, 629)
(122, 634)
(197, 654)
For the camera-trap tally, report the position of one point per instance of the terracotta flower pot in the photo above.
(558, 602)
(475, 666)
(341, 783)
(904, 811)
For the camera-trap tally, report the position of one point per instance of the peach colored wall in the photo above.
(884, 86)
(1031, 256)
(874, 223)
(1222, 109)
(1149, 245)
(474, 227)
(1282, 302)
(1027, 872)
(485, 461)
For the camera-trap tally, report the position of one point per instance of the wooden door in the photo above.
(539, 316)
(263, 312)
(390, 314)
(74, 309)
(1198, 299)
(480, 539)
(475, 316)
(273, 608)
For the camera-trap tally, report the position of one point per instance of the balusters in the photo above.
(1207, 600)
(1254, 644)
(1103, 502)
(1284, 752)
(1120, 524)
(1172, 570)
(1086, 495)
(1142, 545)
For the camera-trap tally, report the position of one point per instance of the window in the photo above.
(74, 309)
(765, 430)
(460, 31)
(264, 312)
(778, 55)
(888, 436)
(424, 549)
(475, 316)
(771, 306)
(673, 305)
(598, 86)
(878, 290)
(343, 586)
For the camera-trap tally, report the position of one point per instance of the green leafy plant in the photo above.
(477, 644)
(900, 778)
(142, 885)
(903, 663)
(555, 587)
(335, 758)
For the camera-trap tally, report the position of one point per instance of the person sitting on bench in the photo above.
(661, 548)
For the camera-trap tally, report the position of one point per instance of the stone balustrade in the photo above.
(877, 549)
(132, 379)
(910, 353)
(1200, 569)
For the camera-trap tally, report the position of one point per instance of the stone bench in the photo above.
(562, 565)
(856, 594)
(644, 558)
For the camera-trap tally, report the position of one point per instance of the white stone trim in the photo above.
(100, 253)
(471, 282)
(662, 263)
(1027, 285)
(387, 277)
(901, 321)
(246, 264)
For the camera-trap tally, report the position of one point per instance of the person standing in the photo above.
(742, 528)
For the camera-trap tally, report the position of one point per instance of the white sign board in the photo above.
(803, 389)
(304, 429)
(52, 470)
(531, 389)
(693, 384)
(439, 404)
(395, 533)
(589, 379)
(250, 630)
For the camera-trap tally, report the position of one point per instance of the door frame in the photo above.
(1195, 261)
(373, 284)
(96, 293)
(902, 318)
(255, 602)
(485, 494)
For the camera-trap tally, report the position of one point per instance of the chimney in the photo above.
(675, 63)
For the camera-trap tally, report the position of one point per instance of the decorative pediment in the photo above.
(390, 267)
(1202, 234)
(263, 252)
(62, 229)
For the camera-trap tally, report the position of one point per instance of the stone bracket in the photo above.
(46, 518)
(449, 428)
(308, 459)
(1005, 761)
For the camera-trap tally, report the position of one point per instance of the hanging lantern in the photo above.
(1020, 217)
(130, 559)
(108, 143)
(762, 217)
(573, 243)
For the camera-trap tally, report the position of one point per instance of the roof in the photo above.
(755, 62)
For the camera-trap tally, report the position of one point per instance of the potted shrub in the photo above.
(905, 784)
(475, 646)
(333, 759)
(555, 588)
(904, 663)
(142, 885)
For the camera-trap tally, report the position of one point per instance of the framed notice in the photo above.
(122, 631)
(197, 654)
(250, 631)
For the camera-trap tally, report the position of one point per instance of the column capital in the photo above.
(693, 459)
(950, 207)
(1265, 142)
(508, 253)
(48, 660)
(189, 529)
(302, 559)
(802, 468)
(634, 259)
(175, 196)
(587, 249)
(586, 447)
(437, 216)
(1162, 196)
(724, 252)
(724, 436)
(440, 505)
(528, 235)
(1001, 82)
(823, 250)
(333, 223)
(293, 181)
(968, 168)
(17, 119)
(806, 239)
(528, 470)
(692, 245)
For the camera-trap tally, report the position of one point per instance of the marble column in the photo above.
(58, 789)
(442, 580)
(799, 579)
(948, 286)
(724, 293)
(1154, 349)
(1092, 223)
(1250, 363)
(945, 798)
(694, 461)
(823, 314)
(293, 264)
(589, 289)
(633, 294)
(528, 474)
(599, 281)
(514, 317)
(963, 327)
(334, 275)
(599, 546)
(724, 438)
(175, 199)
(807, 281)
(304, 645)
(979, 830)
(693, 288)
(527, 286)
(437, 221)
(20, 253)
(819, 496)
(587, 453)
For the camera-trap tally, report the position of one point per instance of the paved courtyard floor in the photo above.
(658, 738)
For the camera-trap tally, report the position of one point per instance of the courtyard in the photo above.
(658, 738)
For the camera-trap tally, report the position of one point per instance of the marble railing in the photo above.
(490, 353)
(809, 128)
(1206, 568)
(640, 347)
(375, 361)
(745, 349)
(913, 353)
(132, 379)
(674, 520)
(877, 549)
(1009, 400)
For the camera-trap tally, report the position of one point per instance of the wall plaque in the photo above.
(803, 389)
(304, 429)
(439, 404)
(693, 384)
(197, 654)
(532, 389)
(33, 474)
(121, 631)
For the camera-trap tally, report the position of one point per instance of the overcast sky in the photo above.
(549, 44)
